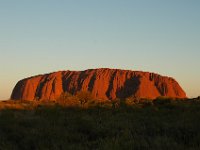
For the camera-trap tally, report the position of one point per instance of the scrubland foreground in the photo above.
(162, 124)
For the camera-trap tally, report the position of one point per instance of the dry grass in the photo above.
(10, 104)
(24, 105)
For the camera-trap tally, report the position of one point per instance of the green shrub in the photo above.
(146, 102)
(163, 100)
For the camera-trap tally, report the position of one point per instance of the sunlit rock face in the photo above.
(102, 83)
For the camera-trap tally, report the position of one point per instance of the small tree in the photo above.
(69, 100)
(115, 103)
(132, 100)
(84, 97)
(64, 96)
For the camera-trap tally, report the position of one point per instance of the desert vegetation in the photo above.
(122, 124)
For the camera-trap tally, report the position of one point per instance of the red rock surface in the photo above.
(102, 83)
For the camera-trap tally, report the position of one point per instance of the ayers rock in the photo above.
(102, 83)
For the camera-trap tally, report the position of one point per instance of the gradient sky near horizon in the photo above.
(41, 36)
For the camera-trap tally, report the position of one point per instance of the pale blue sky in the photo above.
(41, 36)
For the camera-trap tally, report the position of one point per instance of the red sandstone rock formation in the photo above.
(102, 83)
